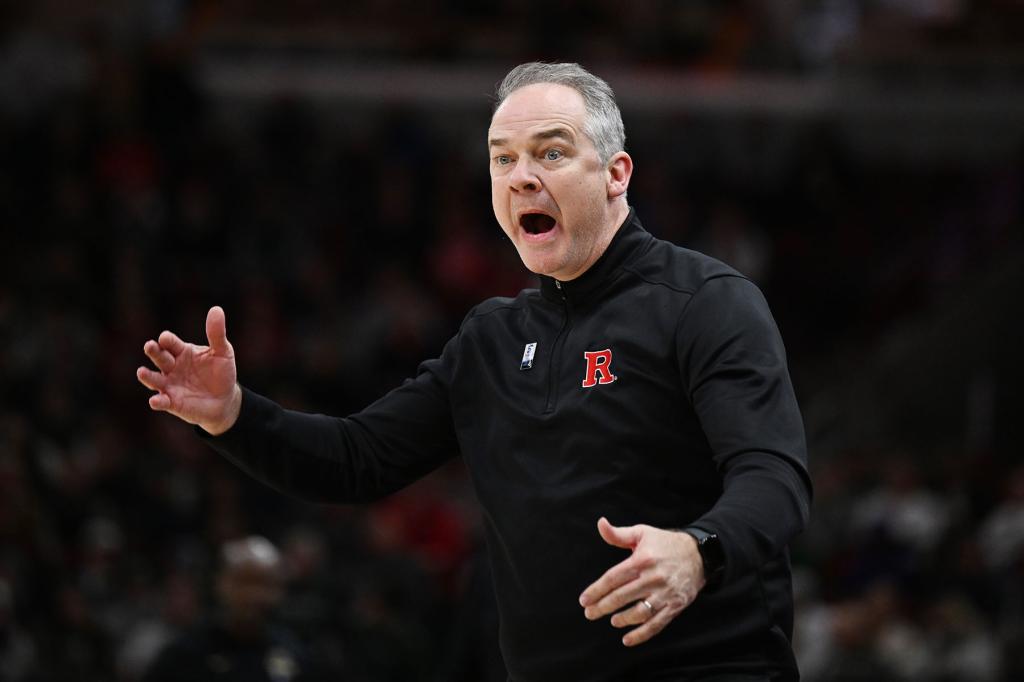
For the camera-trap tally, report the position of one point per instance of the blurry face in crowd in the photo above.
(551, 193)
(250, 591)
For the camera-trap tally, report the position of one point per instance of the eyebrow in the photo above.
(548, 134)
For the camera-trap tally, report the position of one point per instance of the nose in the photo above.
(523, 178)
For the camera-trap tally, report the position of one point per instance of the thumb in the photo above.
(625, 537)
(216, 331)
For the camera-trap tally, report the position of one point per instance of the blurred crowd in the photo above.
(912, 572)
(346, 254)
(709, 35)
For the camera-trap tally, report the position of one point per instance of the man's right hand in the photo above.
(195, 383)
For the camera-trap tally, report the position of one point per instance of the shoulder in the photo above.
(679, 269)
(709, 294)
(499, 305)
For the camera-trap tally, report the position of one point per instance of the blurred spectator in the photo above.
(180, 608)
(240, 642)
(961, 645)
(901, 510)
(1002, 533)
(843, 641)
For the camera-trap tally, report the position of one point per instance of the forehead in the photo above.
(539, 105)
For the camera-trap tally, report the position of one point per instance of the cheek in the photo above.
(499, 203)
(571, 198)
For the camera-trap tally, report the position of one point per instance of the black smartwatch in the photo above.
(711, 553)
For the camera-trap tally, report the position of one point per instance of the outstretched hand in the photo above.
(195, 383)
(649, 589)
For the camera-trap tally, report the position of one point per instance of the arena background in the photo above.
(319, 170)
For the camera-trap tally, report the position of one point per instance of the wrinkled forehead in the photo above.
(539, 105)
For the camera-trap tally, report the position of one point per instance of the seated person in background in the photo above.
(239, 643)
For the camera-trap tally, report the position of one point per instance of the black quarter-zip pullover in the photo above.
(658, 393)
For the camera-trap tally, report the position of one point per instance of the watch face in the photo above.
(711, 552)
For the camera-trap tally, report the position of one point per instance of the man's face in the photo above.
(549, 188)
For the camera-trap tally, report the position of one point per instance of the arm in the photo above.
(395, 440)
(391, 443)
(733, 366)
(733, 363)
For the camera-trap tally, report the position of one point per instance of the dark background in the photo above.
(319, 170)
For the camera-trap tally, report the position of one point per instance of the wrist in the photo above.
(711, 554)
(232, 409)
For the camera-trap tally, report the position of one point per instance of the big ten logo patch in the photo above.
(599, 368)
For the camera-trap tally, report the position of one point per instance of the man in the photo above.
(239, 644)
(643, 388)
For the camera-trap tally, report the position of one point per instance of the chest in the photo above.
(562, 412)
(603, 371)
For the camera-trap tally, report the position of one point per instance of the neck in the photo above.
(616, 217)
(619, 211)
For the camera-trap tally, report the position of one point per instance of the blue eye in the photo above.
(502, 160)
(553, 154)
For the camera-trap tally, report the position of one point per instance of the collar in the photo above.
(627, 239)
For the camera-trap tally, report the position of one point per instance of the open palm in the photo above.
(196, 383)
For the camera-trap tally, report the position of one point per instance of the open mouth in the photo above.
(536, 223)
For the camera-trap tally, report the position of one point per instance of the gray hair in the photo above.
(604, 120)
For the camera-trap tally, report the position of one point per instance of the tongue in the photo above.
(537, 223)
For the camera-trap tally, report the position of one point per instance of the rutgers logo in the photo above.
(599, 368)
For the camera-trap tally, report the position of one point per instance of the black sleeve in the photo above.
(396, 440)
(733, 364)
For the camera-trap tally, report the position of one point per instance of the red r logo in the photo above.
(598, 362)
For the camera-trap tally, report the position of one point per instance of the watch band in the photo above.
(711, 554)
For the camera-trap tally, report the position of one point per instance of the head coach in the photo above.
(630, 427)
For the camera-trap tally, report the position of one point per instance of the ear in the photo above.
(620, 170)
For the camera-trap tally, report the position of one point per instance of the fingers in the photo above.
(626, 537)
(652, 627)
(155, 381)
(635, 615)
(170, 342)
(648, 589)
(160, 401)
(160, 357)
(619, 598)
(616, 576)
(623, 572)
(216, 331)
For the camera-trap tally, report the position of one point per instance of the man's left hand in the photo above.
(660, 578)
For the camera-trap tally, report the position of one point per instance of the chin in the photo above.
(538, 266)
